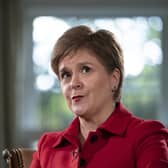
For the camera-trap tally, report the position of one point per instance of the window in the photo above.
(140, 38)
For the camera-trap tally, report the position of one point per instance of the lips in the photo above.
(77, 98)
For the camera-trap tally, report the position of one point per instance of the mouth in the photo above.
(77, 98)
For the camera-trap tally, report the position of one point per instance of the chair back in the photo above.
(18, 157)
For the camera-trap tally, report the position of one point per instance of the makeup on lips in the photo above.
(77, 98)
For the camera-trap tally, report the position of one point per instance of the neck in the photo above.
(91, 124)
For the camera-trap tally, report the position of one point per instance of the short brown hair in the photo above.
(102, 43)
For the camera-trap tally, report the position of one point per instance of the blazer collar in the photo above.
(70, 135)
(116, 124)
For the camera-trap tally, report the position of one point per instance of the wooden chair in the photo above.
(18, 157)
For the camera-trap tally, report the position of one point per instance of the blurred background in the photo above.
(30, 98)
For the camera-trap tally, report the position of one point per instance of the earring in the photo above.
(114, 89)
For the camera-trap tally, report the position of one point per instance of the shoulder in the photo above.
(142, 125)
(49, 139)
(52, 139)
(45, 143)
(139, 126)
(141, 130)
(150, 142)
(135, 127)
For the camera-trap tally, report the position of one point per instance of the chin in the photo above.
(79, 112)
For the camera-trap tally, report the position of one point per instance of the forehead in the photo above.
(79, 57)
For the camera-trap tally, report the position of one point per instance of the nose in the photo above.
(76, 82)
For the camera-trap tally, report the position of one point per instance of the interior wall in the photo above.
(120, 3)
(164, 73)
(117, 8)
(1, 83)
(10, 44)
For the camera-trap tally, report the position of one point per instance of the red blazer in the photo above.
(123, 141)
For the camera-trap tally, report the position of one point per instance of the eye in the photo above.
(86, 69)
(65, 75)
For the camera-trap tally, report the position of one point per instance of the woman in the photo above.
(104, 133)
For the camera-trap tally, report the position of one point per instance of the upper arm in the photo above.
(35, 162)
(36, 156)
(152, 146)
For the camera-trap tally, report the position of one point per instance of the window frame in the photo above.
(25, 99)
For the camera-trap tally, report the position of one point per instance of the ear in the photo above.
(115, 78)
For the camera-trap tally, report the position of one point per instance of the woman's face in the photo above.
(86, 85)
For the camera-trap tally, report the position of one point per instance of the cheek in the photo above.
(102, 85)
(65, 91)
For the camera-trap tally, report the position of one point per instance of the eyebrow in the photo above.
(64, 69)
(79, 64)
(60, 72)
(85, 63)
